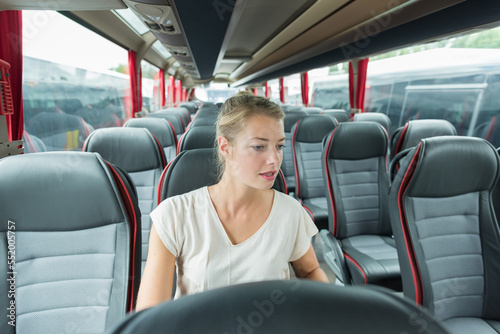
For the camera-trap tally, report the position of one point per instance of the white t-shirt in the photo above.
(191, 230)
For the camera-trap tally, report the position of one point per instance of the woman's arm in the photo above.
(158, 277)
(308, 267)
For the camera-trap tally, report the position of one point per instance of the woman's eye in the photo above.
(280, 147)
(258, 147)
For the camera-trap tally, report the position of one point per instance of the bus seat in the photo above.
(32, 144)
(413, 131)
(190, 106)
(193, 169)
(207, 110)
(446, 231)
(197, 137)
(340, 114)
(283, 307)
(69, 221)
(161, 129)
(291, 108)
(182, 112)
(173, 119)
(312, 110)
(307, 145)
(378, 117)
(358, 244)
(141, 156)
(204, 121)
(287, 166)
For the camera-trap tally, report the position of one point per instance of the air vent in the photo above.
(179, 51)
(157, 18)
(188, 66)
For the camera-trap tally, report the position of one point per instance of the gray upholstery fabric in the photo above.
(288, 164)
(340, 114)
(358, 184)
(471, 325)
(309, 162)
(136, 151)
(447, 235)
(355, 168)
(198, 137)
(411, 133)
(70, 282)
(442, 224)
(146, 183)
(172, 118)
(73, 242)
(161, 129)
(380, 118)
(133, 149)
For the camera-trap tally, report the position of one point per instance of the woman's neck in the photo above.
(234, 196)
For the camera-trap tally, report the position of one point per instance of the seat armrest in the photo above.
(334, 256)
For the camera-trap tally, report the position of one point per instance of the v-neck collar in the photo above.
(221, 228)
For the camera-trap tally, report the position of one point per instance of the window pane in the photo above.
(71, 81)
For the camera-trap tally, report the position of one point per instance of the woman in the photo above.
(238, 230)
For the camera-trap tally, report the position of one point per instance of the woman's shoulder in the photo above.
(285, 200)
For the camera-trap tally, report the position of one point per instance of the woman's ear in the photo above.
(224, 147)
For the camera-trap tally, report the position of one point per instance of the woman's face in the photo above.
(256, 154)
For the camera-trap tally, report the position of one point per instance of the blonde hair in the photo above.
(234, 114)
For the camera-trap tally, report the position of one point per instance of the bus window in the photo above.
(487, 123)
(454, 103)
(68, 87)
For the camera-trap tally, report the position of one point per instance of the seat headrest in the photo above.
(380, 118)
(58, 191)
(340, 114)
(159, 127)
(133, 149)
(426, 128)
(279, 307)
(198, 137)
(291, 117)
(174, 119)
(453, 165)
(193, 169)
(313, 128)
(358, 140)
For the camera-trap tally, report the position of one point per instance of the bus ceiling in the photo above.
(247, 42)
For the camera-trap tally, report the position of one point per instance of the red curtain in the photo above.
(304, 87)
(11, 51)
(171, 92)
(178, 92)
(162, 88)
(268, 91)
(357, 83)
(134, 83)
(282, 91)
(191, 94)
(255, 91)
(184, 95)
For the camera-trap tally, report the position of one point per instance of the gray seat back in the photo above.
(380, 118)
(69, 255)
(356, 174)
(139, 154)
(197, 137)
(283, 307)
(446, 232)
(162, 130)
(287, 166)
(307, 143)
(412, 132)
